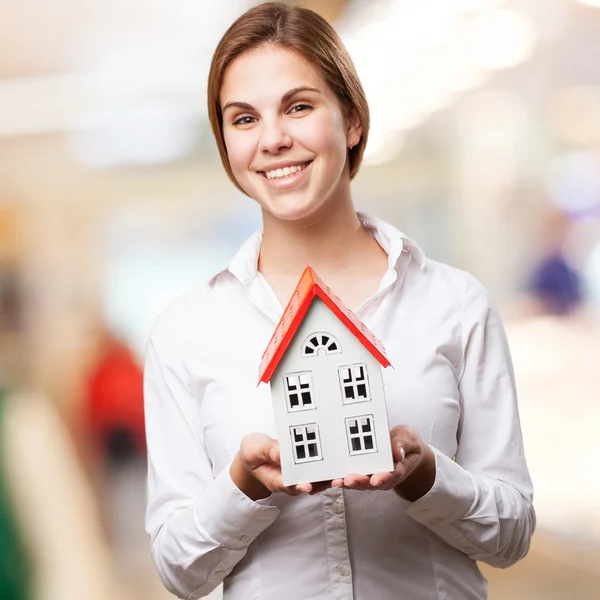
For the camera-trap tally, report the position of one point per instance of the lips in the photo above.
(285, 177)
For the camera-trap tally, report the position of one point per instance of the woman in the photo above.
(291, 122)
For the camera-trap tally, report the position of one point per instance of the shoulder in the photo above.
(200, 314)
(435, 276)
(444, 275)
(453, 289)
(190, 310)
(457, 283)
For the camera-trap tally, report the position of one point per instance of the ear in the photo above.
(354, 132)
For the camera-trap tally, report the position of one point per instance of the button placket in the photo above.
(337, 544)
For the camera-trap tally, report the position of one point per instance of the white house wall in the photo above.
(330, 412)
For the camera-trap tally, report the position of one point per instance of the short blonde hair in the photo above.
(305, 32)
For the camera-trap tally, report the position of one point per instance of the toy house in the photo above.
(325, 371)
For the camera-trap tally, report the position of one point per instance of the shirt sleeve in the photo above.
(481, 500)
(200, 525)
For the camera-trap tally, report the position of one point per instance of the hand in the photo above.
(414, 468)
(256, 470)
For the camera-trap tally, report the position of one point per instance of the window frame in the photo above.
(354, 383)
(305, 443)
(299, 392)
(361, 434)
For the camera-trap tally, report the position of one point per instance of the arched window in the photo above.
(320, 341)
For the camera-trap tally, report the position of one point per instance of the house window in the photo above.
(306, 443)
(299, 392)
(320, 341)
(361, 435)
(355, 383)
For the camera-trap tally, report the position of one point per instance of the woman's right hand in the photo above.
(256, 469)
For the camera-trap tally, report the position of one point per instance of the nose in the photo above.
(274, 137)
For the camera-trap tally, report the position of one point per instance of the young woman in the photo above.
(291, 122)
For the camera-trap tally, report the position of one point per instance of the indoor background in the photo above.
(484, 147)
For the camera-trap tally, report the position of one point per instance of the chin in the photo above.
(287, 207)
(298, 212)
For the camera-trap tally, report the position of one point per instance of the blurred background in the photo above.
(484, 147)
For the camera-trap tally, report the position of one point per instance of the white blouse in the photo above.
(451, 380)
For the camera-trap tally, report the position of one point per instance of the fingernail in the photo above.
(402, 454)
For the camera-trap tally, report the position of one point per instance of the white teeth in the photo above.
(276, 173)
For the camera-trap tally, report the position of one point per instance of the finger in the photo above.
(268, 453)
(401, 471)
(407, 438)
(269, 475)
(398, 451)
(274, 455)
(337, 483)
(302, 488)
(354, 480)
(379, 479)
(258, 449)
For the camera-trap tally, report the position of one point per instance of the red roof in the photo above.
(310, 286)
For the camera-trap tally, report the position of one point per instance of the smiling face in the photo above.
(286, 134)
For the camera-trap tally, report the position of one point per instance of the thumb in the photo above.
(270, 452)
(257, 449)
(398, 451)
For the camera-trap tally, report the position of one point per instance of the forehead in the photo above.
(267, 72)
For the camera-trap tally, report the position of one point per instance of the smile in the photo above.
(285, 172)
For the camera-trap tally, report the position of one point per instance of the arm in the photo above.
(200, 525)
(481, 502)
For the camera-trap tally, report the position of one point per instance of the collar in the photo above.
(244, 265)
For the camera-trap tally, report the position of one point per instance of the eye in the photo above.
(297, 108)
(245, 120)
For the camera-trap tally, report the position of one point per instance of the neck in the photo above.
(326, 242)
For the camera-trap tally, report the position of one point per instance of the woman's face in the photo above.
(286, 134)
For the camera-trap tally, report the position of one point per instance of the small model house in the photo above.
(325, 371)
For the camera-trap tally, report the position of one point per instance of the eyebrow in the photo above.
(285, 98)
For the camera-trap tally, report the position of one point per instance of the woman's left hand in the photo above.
(414, 468)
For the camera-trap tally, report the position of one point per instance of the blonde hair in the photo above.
(302, 31)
